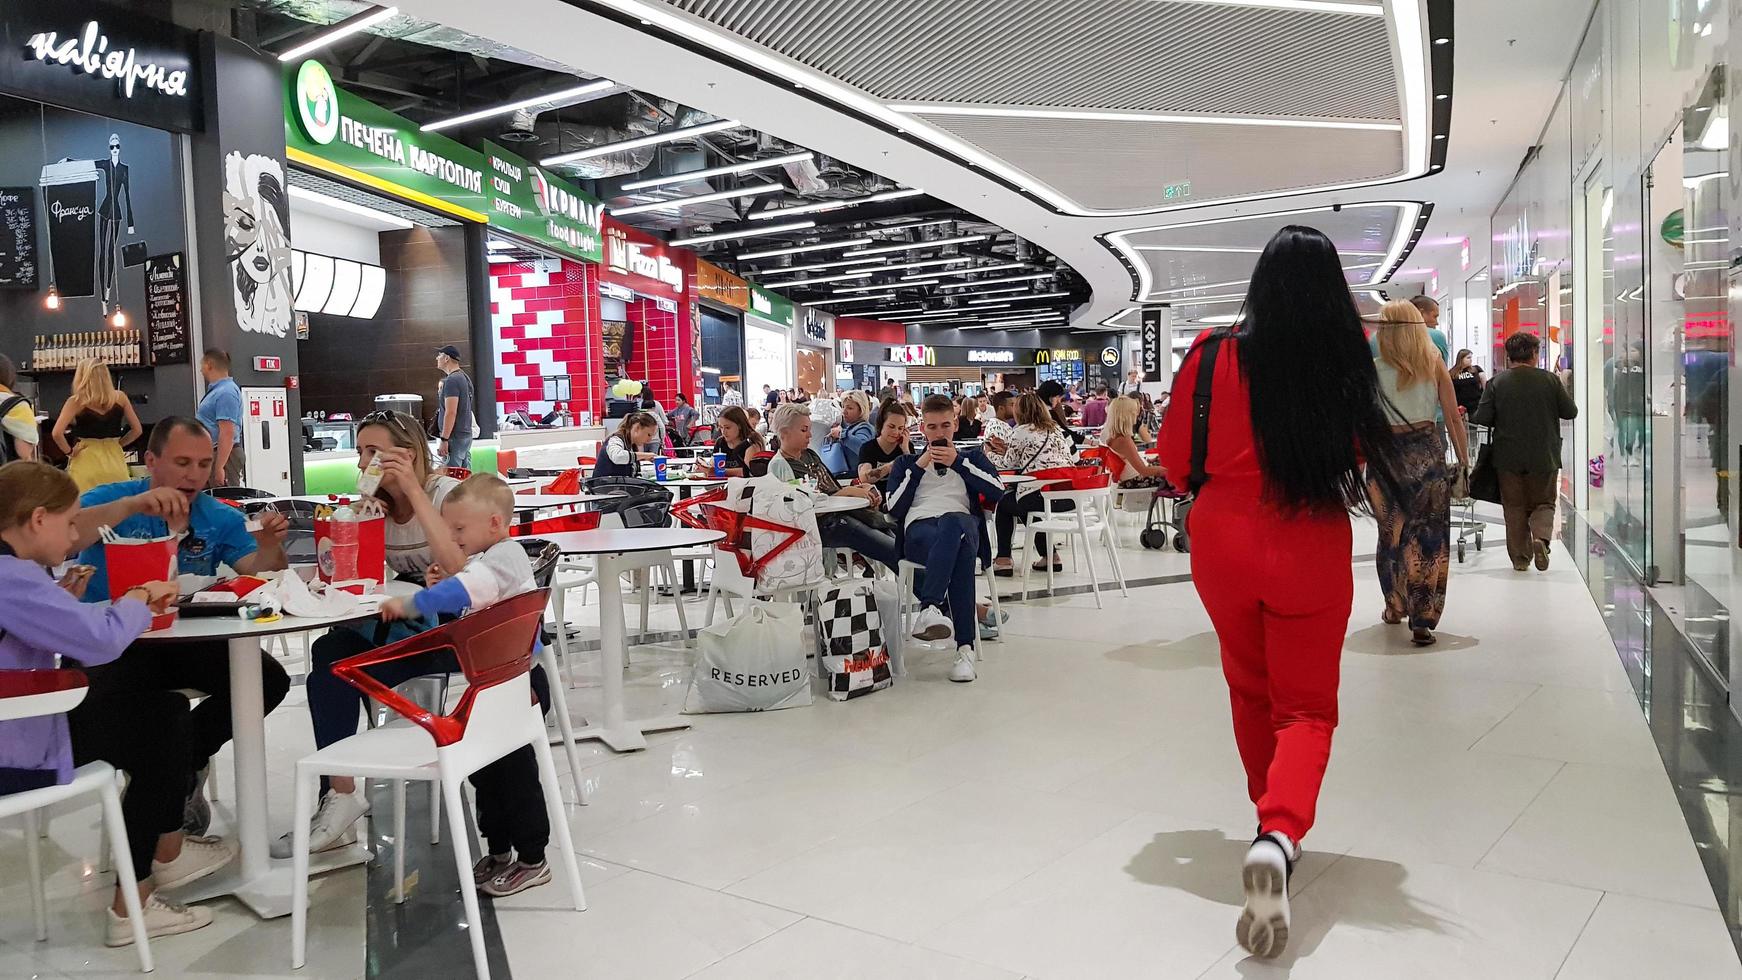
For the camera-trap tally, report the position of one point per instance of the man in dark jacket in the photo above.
(1525, 406)
(937, 499)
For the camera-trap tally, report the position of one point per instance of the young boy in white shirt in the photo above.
(510, 799)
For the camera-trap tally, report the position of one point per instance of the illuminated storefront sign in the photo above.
(978, 356)
(101, 58)
(643, 259)
(91, 52)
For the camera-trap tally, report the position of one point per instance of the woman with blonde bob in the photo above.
(1415, 521)
(102, 420)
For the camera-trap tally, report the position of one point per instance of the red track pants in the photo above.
(1278, 590)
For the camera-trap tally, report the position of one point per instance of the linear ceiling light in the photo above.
(834, 205)
(668, 136)
(900, 312)
(1017, 299)
(995, 292)
(726, 236)
(869, 297)
(999, 282)
(887, 285)
(1146, 117)
(1235, 251)
(597, 88)
(909, 247)
(338, 32)
(684, 202)
(796, 249)
(806, 282)
(337, 204)
(819, 266)
(1002, 267)
(735, 168)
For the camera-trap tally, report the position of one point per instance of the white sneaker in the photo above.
(930, 624)
(162, 918)
(962, 671)
(199, 857)
(1263, 927)
(334, 825)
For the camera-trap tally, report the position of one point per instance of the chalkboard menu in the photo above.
(18, 238)
(166, 309)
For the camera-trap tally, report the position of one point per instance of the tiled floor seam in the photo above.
(1502, 720)
(1521, 812)
(709, 966)
(1581, 935)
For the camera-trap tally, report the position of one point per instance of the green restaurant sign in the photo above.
(330, 130)
(771, 306)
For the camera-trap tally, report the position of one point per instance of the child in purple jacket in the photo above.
(144, 735)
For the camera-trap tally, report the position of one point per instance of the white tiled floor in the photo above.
(1494, 809)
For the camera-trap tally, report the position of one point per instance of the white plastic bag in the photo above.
(889, 613)
(754, 661)
(797, 566)
(855, 662)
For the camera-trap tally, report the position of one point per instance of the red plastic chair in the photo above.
(459, 472)
(495, 716)
(38, 694)
(585, 521)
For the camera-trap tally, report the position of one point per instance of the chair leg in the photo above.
(33, 824)
(1118, 570)
(399, 840)
(1089, 556)
(559, 822)
(116, 826)
(435, 811)
(307, 785)
(644, 584)
(463, 862)
(559, 703)
(992, 599)
(212, 779)
(1046, 555)
(713, 597)
(676, 584)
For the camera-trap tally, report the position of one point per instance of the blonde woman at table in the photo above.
(41, 618)
(419, 544)
(102, 421)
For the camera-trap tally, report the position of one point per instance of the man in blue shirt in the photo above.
(171, 501)
(1430, 314)
(221, 413)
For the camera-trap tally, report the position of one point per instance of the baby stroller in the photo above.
(1167, 513)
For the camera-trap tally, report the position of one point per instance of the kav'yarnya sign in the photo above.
(91, 52)
(978, 356)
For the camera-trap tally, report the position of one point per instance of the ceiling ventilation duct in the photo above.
(636, 119)
(403, 27)
(521, 125)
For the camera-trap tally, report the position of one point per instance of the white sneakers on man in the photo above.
(199, 857)
(334, 825)
(930, 624)
(162, 918)
(962, 671)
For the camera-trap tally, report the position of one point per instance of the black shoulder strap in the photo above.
(1201, 392)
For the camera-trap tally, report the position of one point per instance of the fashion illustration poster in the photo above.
(257, 242)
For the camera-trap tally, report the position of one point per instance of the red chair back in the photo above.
(1071, 478)
(459, 472)
(691, 513)
(492, 645)
(568, 481)
(34, 693)
(584, 521)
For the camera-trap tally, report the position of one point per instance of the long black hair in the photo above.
(1315, 397)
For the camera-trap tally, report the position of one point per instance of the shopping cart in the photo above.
(1464, 518)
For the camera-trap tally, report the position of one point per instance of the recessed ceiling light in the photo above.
(1441, 97)
(1442, 40)
(1439, 136)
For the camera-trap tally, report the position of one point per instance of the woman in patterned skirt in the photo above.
(1415, 522)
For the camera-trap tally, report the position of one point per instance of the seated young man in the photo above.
(510, 799)
(180, 458)
(936, 499)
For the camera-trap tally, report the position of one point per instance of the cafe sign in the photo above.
(102, 59)
(537, 205)
(646, 260)
(328, 129)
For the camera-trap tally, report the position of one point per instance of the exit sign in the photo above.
(1175, 192)
(273, 364)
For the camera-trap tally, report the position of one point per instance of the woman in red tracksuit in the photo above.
(1293, 394)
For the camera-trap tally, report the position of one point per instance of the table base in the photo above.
(268, 893)
(630, 736)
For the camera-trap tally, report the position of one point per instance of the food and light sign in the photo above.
(329, 129)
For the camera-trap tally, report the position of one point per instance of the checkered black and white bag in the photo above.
(855, 662)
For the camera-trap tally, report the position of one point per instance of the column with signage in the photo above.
(811, 362)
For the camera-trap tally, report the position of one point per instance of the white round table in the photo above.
(1014, 479)
(261, 882)
(840, 504)
(606, 545)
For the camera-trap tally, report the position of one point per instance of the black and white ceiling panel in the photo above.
(1197, 259)
(1124, 107)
